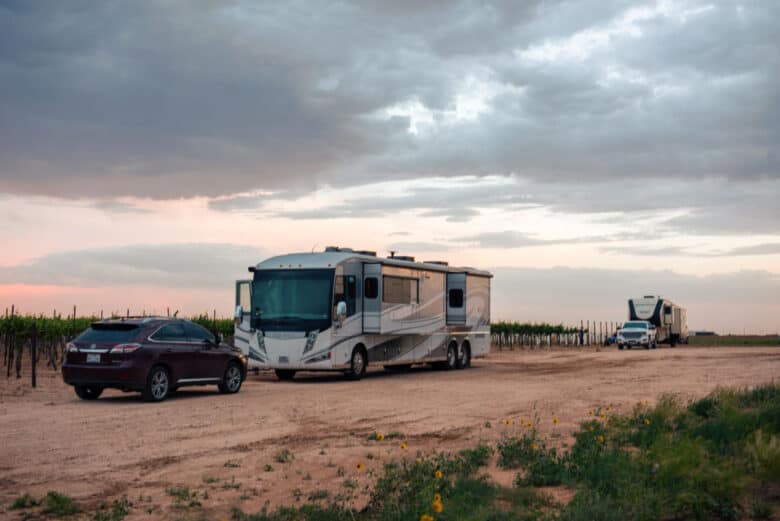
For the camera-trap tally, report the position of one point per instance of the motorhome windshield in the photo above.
(635, 325)
(284, 299)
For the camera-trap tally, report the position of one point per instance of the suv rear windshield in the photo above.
(103, 333)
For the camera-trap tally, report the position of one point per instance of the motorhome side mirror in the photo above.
(239, 313)
(341, 310)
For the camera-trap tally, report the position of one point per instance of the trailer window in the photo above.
(399, 290)
(371, 287)
(456, 298)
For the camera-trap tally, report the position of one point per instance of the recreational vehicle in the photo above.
(343, 310)
(670, 320)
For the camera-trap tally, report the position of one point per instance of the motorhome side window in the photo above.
(399, 290)
(456, 298)
(345, 288)
(371, 289)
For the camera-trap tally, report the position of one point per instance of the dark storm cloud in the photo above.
(189, 265)
(182, 98)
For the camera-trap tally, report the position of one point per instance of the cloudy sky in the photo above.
(585, 151)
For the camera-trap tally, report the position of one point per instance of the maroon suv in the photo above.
(152, 355)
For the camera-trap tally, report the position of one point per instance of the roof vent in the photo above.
(649, 296)
(407, 258)
(337, 248)
(366, 252)
(440, 263)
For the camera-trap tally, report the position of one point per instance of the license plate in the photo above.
(284, 360)
(93, 358)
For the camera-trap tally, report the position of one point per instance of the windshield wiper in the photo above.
(284, 318)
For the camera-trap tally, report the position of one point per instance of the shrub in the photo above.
(59, 505)
(24, 501)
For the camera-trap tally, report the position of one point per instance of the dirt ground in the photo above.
(230, 449)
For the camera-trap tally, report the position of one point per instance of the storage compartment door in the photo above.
(456, 298)
(372, 298)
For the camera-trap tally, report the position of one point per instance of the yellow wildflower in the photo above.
(380, 436)
(437, 497)
(555, 419)
(437, 506)
(603, 416)
(403, 445)
(438, 474)
(647, 421)
(590, 428)
(601, 438)
(534, 446)
(360, 467)
(508, 421)
(426, 517)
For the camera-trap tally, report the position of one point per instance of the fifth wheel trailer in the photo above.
(344, 310)
(670, 320)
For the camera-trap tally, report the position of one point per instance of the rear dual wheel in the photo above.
(464, 356)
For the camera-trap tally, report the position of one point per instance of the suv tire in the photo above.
(88, 392)
(158, 384)
(231, 381)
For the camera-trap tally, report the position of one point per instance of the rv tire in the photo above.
(285, 374)
(452, 357)
(464, 356)
(357, 363)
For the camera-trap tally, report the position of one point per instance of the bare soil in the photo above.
(229, 449)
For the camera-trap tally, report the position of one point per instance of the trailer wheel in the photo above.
(358, 363)
(464, 356)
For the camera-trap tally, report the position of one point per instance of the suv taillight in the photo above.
(125, 348)
(72, 348)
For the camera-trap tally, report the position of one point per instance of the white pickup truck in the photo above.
(637, 333)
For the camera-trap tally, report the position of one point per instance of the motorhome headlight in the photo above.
(261, 341)
(310, 341)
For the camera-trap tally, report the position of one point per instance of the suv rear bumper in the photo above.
(104, 376)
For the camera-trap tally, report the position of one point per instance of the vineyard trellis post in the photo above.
(9, 345)
(34, 352)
